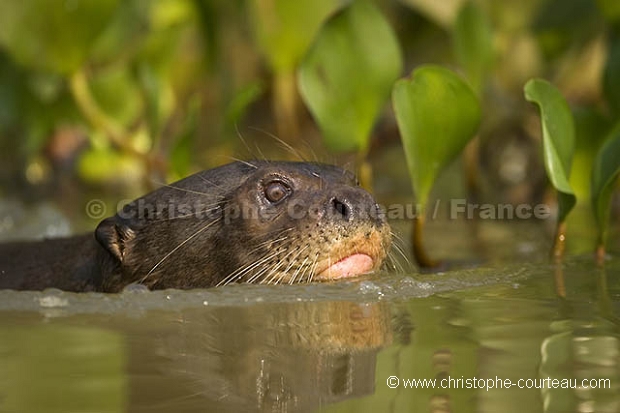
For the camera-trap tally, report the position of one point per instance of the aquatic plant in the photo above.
(142, 91)
(437, 114)
(605, 172)
(473, 44)
(347, 76)
(284, 30)
(558, 132)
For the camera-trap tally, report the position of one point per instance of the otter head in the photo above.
(254, 222)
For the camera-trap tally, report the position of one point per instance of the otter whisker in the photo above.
(189, 191)
(392, 264)
(292, 263)
(246, 163)
(273, 273)
(284, 145)
(207, 209)
(308, 271)
(305, 267)
(313, 269)
(278, 275)
(299, 266)
(265, 269)
(268, 244)
(192, 215)
(397, 237)
(397, 245)
(275, 232)
(242, 271)
(250, 152)
(203, 179)
(194, 235)
(303, 263)
(259, 274)
(396, 263)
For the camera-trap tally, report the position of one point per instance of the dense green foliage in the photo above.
(348, 74)
(146, 90)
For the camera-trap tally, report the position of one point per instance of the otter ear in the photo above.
(113, 236)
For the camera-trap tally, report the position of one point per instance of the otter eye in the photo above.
(276, 191)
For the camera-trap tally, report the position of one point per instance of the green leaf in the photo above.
(437, 114)
(605, 173)
(284, 29)
(116, 92)
(562, 24)
(558, 129)
(611, 75)
(591, 128)
(473, 43)
(348, 73)
(106, 165)
(52, 35)
(610, 9)
(240, 103)
(441, 12)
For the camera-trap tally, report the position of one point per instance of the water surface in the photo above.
(325, 347)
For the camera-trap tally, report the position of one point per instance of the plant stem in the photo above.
(600, 253)
(560, 286)
(419, 252)
(364, 171)
(559, 244)
(470, 157)
(95, 115)
(285, 105)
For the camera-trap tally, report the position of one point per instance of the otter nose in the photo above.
(351, 204)
(343, 208)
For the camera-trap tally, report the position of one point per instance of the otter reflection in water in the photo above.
(294, 357)
(254, 222)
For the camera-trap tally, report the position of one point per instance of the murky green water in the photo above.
(329, 347)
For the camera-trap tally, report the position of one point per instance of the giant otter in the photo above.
(253, 222)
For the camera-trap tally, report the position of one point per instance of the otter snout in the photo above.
(350, 204)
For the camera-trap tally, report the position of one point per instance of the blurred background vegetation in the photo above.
(122, 95)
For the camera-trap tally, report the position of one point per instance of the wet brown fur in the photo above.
(213, 228)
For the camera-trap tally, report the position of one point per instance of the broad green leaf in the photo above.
(562, 24)
(124, 34)
(241, 101)
(591, 128)
(117, 94)
(558, 130)
(441, 12)
(611, 76)
(437, 114)
(105, 165)
(605, 174)
(473, 43)
(184, 150)
(284, 29)
(610, 9)
(348, 73)
(31, 104)
(53, 35)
